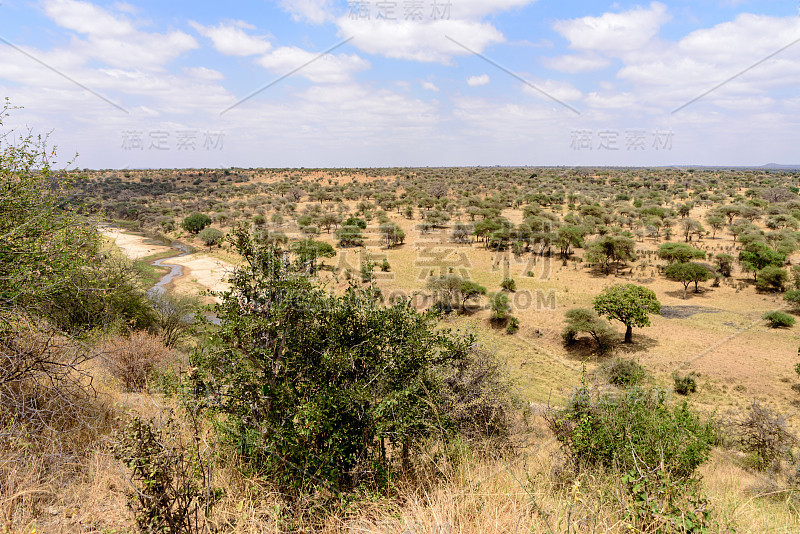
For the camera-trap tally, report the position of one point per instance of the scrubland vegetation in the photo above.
(400, 350)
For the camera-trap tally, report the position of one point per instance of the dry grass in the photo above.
(481, 492)
(132, 360)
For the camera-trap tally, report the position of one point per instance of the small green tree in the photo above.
(195, 222)
(568, 237)
(679, 253)
(501, 307)
(609, 249)
(392, 234)
(757, 255)
(309, 251)
(211, 237)
(513, 326)
(355, 221)
(716, 222)
(470, 290)
(686, 273)
(583, 320)
(630, 304)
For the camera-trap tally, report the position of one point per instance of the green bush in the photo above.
(51, 261)
(509, 284)
(623, 372)
(211, 237)
(654, 449)
(513, 326)
(341, 386)
(772, 278)
(684, 384)
(583, 320)
(792, 297)
(779, 319)
(195, 222)
(501, 308)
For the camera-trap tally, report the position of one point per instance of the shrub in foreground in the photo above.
(763, 433)
(655, 448)
(316, 390)
(623, 372)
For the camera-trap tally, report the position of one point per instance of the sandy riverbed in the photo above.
(200, 271)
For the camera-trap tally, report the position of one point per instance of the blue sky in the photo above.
(407, 82)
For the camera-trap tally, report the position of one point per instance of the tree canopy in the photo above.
(629, 304)
(686, 273)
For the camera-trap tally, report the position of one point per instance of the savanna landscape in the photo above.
(419, 350)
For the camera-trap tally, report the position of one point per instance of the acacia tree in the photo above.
(452, 290)
(629, 304)
(757, 255)
(608, 249)
(580, 320)
(211, 237)
(392, 234)
(679, 252)
(569, 236)
(686, 273)
(308, 251)
(716, 222)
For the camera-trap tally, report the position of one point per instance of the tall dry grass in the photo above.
(77, 486)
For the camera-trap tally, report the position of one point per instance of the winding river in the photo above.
(175, 271)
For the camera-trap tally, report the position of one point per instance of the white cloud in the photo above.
(425, 41)
(115, 40)
(231, 39)
(615, 32)
(747, 36)
(85, 17)
(556, 89)
(475, 81)
(675, 74)
(430, 86)
(202, 73)
(611, 100)
(313, 11)
(575, 64)
(474, 9)
(329, 68)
